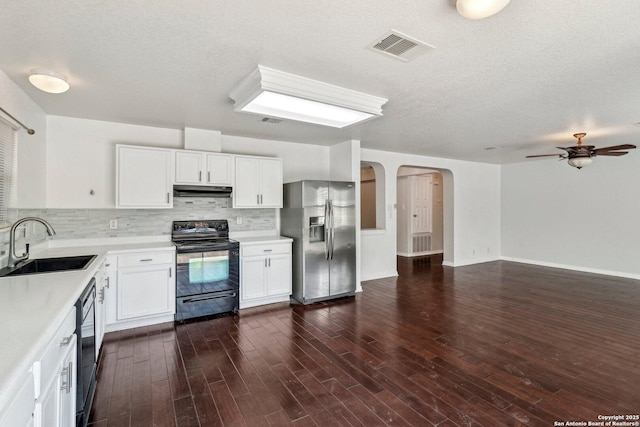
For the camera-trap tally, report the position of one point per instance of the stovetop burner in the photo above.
(202, 235)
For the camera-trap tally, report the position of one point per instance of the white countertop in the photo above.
(256, 240)
(32, 307)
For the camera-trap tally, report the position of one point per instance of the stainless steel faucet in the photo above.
(13, 258)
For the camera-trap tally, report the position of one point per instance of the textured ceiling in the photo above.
(523, 80)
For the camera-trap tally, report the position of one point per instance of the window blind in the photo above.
(8, 141)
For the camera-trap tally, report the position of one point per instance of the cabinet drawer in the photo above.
(146, 258)
(266, 249)
(46, 367)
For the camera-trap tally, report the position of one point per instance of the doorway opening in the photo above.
(421, 200)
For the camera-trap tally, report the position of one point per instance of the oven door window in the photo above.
(202, 272)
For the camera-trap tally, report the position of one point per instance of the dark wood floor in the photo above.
(486, 345)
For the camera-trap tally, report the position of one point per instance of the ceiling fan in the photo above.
(580, 155)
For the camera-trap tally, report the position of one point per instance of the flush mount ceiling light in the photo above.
(48, 81)
(479, 9)
(274, 93)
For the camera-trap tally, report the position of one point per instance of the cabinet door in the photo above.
(245, 192)
(279, 274)
(271, 183)
(219, 169)
(67, 389)
(145, 291)
(144, 178)
(56, 406)
(253, 277)
(19, 411)
(110, 300)
(189, 167)
(100, 311)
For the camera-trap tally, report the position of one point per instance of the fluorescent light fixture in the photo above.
(274, 93)
(479, 9)
(48, 81)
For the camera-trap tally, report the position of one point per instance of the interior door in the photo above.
(421, 201)
(343, 239)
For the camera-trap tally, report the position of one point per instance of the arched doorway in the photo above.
(424, 213)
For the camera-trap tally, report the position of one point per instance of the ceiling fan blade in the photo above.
(546, 155)
(611, 153)
(615, 147)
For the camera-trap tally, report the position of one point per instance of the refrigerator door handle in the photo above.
(331, 229)
(326, 229)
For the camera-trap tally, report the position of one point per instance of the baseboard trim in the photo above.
(412, 254)
(470, 262)
(572, 267)
(381, 275)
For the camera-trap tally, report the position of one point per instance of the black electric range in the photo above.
(207, 268)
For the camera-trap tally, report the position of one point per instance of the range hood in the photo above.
(201, 191)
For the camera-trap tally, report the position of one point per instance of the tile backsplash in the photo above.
(94, 223)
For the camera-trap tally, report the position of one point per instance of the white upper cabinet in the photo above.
(199, 168)
(258, 182)
(219, 169)
(188, 167)
(144, 177)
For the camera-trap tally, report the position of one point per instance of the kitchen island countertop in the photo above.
(33, 307)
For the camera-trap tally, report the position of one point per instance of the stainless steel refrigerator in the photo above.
(320, 216)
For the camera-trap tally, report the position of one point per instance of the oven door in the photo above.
(206, 283)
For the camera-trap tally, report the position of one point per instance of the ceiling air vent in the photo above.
(399, 46)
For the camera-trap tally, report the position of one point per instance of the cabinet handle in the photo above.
(261, 199)
(146, 260)
(265, 262)
(208, 176)
(257, 199)
(269, 262)
(170, 273)
(267, 250)
(200, 176)
(107, 265)
(66, 340)
(66, 374)
(168, 196)
(108, 282)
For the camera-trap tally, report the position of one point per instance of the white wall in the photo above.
(82, 157)
(474, 190)
(32, 149)
(586, 219)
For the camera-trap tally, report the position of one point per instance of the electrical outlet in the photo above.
(239, 220)
(113, 224)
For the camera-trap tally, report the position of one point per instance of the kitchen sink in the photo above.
(49, 265)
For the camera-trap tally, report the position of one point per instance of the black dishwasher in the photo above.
(86, 332)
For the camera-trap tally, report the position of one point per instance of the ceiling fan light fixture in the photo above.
(48, 81)
(480, 9)
(580, 162)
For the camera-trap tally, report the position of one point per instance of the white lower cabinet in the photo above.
(21, 410)
(55, 376)
(143, 292)
(265, 273)
(102, 281)
(57, 405)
